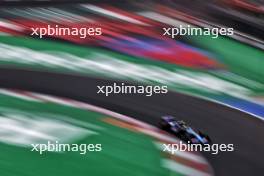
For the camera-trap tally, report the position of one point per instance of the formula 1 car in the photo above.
(184, 132)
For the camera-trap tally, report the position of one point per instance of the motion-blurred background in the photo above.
(228, 70)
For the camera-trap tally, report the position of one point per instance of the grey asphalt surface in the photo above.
(222, 124)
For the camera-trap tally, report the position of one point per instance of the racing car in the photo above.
(184, 132)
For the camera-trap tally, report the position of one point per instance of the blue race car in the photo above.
(183, 131)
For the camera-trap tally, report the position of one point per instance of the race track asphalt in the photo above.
(224, 125)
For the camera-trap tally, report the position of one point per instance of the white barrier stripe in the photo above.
(18, 95)
(113, 14)
(51, 99)
(164, 19)
(176, 167)
(10, 25)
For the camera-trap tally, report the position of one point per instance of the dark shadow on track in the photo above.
(224, 125)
